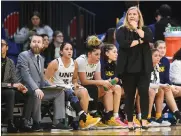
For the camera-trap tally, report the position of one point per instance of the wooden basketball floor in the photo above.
(173, 130)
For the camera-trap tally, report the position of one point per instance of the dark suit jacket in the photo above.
(10, 74)
(133, 59)
(28, 72)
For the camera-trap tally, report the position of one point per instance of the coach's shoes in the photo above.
(60, 127)
(24, 127)
(36, 127)
(144, 124)
(11, 127)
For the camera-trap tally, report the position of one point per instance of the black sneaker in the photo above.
(24, 127)
(36, 127)
(11, 127)
(75, 125)
(60, 127)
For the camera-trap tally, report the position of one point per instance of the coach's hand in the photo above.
(39, 93)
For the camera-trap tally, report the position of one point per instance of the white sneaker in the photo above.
(165, 124)
(153, 124)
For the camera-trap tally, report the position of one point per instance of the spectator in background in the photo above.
(157, 18)
(175, 72)
(165, 12)
(12, 89)
(54, 47)
(110, 36)
(45, 50)
(34, 27)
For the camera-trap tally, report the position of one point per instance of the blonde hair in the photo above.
(140, 22)
(93, 41)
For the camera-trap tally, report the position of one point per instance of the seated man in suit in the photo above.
(30, 68)
(11, 89)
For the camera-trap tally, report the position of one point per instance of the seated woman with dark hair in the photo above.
(45, 50)
(54, 47)
(108, 67)
(34, 27)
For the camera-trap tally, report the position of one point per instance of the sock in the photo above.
(177, 114)
(149, 116)
(83, 117)
(93, 111)
(139, 116)
(158, 115)
(116, 115)
(80, 112)
(95, 114)
(106, 111)
(76, 106)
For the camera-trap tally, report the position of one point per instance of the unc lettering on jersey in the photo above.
(66, 81)
(90, 74)
(89, 69)
(66, 74)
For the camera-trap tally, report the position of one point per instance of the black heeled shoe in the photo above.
(144, 127)
(132, 128)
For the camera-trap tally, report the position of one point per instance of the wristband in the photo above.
(12, 84)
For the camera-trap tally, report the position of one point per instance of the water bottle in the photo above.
(168, 28)
(113, 82)
(66, 120)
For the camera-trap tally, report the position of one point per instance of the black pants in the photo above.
(10, 96)
(93, 93)
(131, 82)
